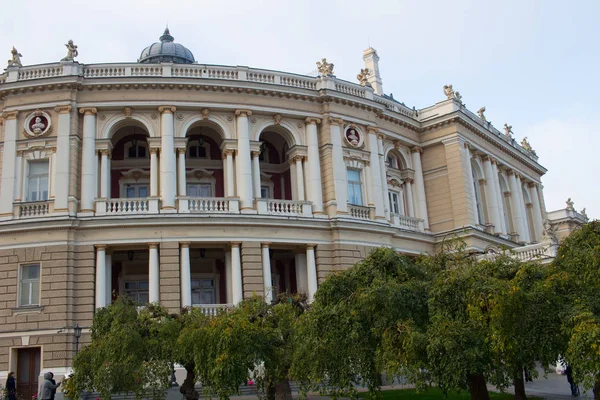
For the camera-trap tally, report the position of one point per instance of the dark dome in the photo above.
(166, 51)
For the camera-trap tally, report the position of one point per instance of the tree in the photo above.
(577, 266)
(341, 337)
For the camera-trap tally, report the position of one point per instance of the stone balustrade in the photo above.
(360, 212)
(212, 310)
(34, 209)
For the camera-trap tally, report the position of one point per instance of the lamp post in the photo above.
(77, 331)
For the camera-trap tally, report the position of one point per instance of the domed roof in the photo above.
(166, 51)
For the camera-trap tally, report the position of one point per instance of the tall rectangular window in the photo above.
(395, 203)
(354, 187)
(37, 181)
(203, 291)
(138, 291)
(199, 190)
(29, 286)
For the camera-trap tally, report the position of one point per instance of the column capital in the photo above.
(180, 150)
(184, 244)
(532, 185)
(295, 159)
(153, 245)
(88, 111)
(311, 121)
(255, 153)
(63, 109)
(416, 149)
(10, 115)
(486, 157)
(235, 244)
(243, 113)
(510, 172)
(100, 246)
(336, 121)
(226, 152)
(105, 152)
(311, 246)
(19, 153)
(507, 194)
(482, 181)
(153, 150)
(167, 109)
(265, 245)
(380, 136)
(372, 129)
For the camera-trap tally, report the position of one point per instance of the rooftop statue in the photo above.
(71, 52)
(508, 131)
(448, 91)
(480, 113)
(325, 68)
(16, 58)
(525, 144)
(570, 204)
(583, 213)
(458, 97)
(363, 77)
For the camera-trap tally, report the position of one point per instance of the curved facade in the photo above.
(198, 185)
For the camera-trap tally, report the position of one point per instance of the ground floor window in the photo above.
(138, 291)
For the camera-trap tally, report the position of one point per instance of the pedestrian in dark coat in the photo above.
(54, 383)
(11, 386)
(574, 388)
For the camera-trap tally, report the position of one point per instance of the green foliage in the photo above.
(435, 394)
(130, 352)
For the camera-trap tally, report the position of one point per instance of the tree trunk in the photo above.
(478, 388)
(187, 389)
(519, 385)
(270, 389)
(596, 389)
(283, 390)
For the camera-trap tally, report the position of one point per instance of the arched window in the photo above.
(136, 149)
(198, 149)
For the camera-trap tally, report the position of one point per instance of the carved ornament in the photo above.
(15, 60)
(325, 68)
(88, 111)
(372, 129)
(71, 51)
(10, 115)
(416, 149)
(243, 113)
(167, 109)
(363, 77)
(136, 174)
(205, 113)
(277, 119)
(127, 111)
(311, 120)
(63, 109)
(37, 124)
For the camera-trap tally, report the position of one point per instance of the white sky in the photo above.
(533, 64)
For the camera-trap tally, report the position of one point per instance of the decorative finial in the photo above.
(166, 36)
(481, 114)
(16, 58)
(458, 97)
(570, 204)
(525, 144)
(363, 77)
(448, 91)
(325, 68)
(508, 131)
(71, 52)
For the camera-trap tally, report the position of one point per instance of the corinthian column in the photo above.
(490, 195)
(89, 160)
(420, 186)
(168, 168)
(515, 205)
(314, 190)
(242, 162)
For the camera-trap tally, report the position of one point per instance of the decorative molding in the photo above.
(127, 111)
(416, 149)
(135, 174)
(311, 120)
(10, 115)
(243, 113)
(88, 111)
(63, 109)
(336, 121)
(277, 119)
(205, 112)
(167, 109)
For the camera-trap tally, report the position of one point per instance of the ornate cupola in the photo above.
(166, 51)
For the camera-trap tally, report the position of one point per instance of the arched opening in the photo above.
(398, 184)
(204, 175)
(274, 167)
(478, 185)
(130, 164)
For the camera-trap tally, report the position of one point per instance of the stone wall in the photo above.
(252, 276)
(170, 286)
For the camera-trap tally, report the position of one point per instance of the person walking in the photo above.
(48, 387)
(574, 388)
(11, 387)
(54, 383)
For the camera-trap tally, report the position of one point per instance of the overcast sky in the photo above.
(533, 64)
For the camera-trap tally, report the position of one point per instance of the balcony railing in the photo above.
(128, 206)
(406, 222)
(360, 212)
(543, 252)
(212, 310)
(288, 208)
(212, 205)
(34, 209)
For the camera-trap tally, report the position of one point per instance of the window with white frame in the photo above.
(354, 187)
(37, 181)
(29, 286)
(199, 190)
(265, 192)
(138, 291)
(135, 190)
(204, 291)
(395, 203)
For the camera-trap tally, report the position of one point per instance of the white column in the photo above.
(153, 172)
(474, 217)
(9, 153)
(382, 171)
(181, 178)
(314, 189)
(409, 198)
(420, 186)
(63, 162)
(266, 266)
(186, 277)
(537, 212)
(19, 176)
(242, 162)
(301, 273)
(230, 173)
(168, 175)
(515, 205)
(104, 175)
(100, 276)
(376, 180)
(490, 194)
(526, 237)
(53, 176)
(299, 178)
(88, 160)
(228, 273)
(108, 279)
(542, 201)
(153, 275)
(368, 184)
(236, 274)
(311, 271)
(500, 198)
(339, 166)
(293, 178)
(256, 174)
